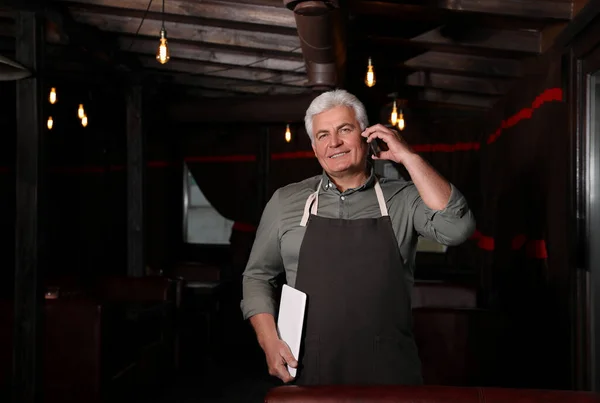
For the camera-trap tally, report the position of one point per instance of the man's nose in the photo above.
(336, 141)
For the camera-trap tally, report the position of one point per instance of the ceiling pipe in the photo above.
(322, 37)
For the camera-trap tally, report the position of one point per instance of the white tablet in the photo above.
(291, 319)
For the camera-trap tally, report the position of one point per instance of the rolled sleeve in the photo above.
(264, 264)
(449, 226)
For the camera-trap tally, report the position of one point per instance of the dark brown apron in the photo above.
(358, 328)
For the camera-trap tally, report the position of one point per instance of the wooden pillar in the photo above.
(28, 301)
(135, 183)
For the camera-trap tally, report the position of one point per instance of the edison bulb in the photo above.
(401, 122)
(370, 78)
(50, 123)
(80, 111)
(394, 116)
(163, 54)
(52, 97)
(84, 121)
(288, 134)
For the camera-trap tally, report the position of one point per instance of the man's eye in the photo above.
(346, 130)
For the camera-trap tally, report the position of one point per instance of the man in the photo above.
(348, 240)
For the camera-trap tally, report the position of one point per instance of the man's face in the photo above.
(338, 144)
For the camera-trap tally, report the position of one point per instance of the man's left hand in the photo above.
(397, 149)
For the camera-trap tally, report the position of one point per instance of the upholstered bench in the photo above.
(422, 394)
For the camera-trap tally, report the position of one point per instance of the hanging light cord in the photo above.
(142, 21)
(214, 71)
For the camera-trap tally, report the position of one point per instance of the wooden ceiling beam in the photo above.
(218, 83)
(526, 10)
(465, 64)
(446, 97)
(534, 9)
(198, 66)
(524, 41)
(216, 10)
(481, 42)
(265, 3)
(185, 31)
(234, 72)
(197, 51)
(459, 83)
(78, 8)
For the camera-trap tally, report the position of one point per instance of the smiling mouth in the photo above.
(338, 155)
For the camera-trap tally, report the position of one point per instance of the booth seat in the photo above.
(101, 340)
(422, 394)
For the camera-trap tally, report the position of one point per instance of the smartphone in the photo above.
(374, 147)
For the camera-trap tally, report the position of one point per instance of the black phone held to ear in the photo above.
(374, 147)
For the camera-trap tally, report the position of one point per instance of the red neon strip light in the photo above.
(518, 242)
(476, 235)
(243, 227)
(536, 249)
(158, 164)
(293, 155)
(222, 158)
(486, 243)
(448, 148)
(77, 170)
(549, 95)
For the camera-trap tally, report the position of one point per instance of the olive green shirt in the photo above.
(279, 235)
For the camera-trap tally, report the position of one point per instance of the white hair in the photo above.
(331, 99)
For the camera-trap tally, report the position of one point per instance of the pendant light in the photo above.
(84, 121)
(163, 54)
(401, 121)
(288, 134)
(394, 115)
(52, 97)
(80, 112)
(370, 77)
(50, 123)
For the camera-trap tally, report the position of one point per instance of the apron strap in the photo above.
(380, 199)
(311, 208)
(307, 207)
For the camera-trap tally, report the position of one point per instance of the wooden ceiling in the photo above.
(434, 53)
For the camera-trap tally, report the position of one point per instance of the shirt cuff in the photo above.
(255, 305)
(456, 206)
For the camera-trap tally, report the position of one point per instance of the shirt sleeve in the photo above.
(264, 264)
(450, 226)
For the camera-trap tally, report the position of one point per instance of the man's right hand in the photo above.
(278, 354)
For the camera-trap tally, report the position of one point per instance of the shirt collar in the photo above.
(329, 185)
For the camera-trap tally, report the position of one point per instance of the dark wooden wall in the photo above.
(7, 183)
